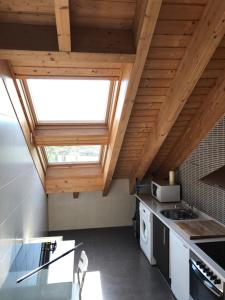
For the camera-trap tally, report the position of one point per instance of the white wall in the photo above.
(23, 205)
(91, 210)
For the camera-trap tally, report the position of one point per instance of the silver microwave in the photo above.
(163, 192)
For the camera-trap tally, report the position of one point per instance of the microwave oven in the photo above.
(163, 192)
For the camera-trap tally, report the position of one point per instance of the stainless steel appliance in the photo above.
(204, 283)
(163, 192)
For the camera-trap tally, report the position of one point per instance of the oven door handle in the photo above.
(205, 281)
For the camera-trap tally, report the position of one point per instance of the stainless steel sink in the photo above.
(179, 214)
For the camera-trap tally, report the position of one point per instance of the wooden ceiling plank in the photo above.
(62, 17)
(206, 38)
(145, 33)
(88, 13)
(208, 114)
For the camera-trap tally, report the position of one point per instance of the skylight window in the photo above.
(73, 154)
(69, 100)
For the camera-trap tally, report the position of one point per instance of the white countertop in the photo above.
(155, 207)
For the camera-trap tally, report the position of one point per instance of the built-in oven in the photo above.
(204, 283)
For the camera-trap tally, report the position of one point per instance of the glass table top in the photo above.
(54, 282)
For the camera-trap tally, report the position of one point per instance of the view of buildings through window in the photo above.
(73, 154)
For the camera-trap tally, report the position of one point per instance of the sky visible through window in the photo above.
(69, 100)
(73, 154)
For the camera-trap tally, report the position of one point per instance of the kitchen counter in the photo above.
(155, 207)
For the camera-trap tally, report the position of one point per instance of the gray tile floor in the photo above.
(125, 272)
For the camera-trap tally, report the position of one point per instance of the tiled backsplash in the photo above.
(209, 156)
(23, 205)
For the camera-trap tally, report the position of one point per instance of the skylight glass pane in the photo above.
(73, 154)
(69, 100)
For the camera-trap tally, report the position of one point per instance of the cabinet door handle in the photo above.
(164, 236)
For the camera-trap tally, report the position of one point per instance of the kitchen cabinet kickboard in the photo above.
(202, 229)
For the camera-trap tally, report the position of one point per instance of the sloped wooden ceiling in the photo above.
(177, 26)
(169, 155)
(62, 38)
(183, 71)
(174, 29)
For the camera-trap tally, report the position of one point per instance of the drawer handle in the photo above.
(164, 236)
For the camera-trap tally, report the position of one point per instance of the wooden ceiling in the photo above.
(174, 29)
(177, 23)
(173, 52)
(109, 14)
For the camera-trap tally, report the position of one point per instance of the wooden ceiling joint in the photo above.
(62, 17)
(75, 195)
(65, 59)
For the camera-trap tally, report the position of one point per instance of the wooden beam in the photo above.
(62, 18)
(206, 38)
(29, 72)
(139, 16)
(129, 87)
(209, 113)
(65, 59)
(70, 179)
(70, 136)
(14, 95)
(75, 195)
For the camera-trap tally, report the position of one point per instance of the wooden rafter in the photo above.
(64, 59)
(206, 38)
(98, 73)
(75, 195)
(133, 76)
(211, 110)
(62, 17)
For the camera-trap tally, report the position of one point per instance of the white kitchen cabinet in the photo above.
(179, 267)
